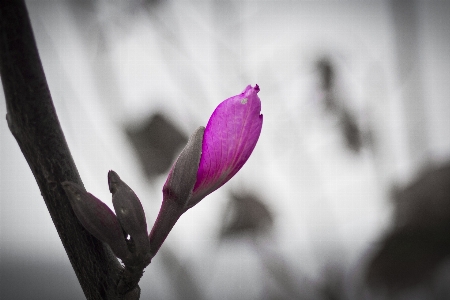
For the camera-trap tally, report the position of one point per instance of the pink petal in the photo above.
(230, 137)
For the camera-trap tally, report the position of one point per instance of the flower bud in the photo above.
(212, 156)
(230, 137)
(97, 218)
(130, 212)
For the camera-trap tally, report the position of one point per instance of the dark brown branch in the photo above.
(33, 121)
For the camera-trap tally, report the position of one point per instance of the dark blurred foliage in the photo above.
(327, 79)
(352, 133)
(157, 142)
(332, 286)
(408, 257)
(420, 241)
(246, 214)
(349, 127)
(426, 202)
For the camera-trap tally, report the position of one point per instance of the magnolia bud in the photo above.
(212, 156)
(97, 218)
(229, 139)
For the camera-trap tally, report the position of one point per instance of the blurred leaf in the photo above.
(157, 142)
(246, 214)
(426, 201)
(351, 131)
(420, 242)
(408, 257)
(349, 127)
(326, 73)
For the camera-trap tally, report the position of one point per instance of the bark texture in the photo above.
(33, 121)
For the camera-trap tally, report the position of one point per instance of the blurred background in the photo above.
(347, 193)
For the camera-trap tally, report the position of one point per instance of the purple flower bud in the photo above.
(211, 157)
(97, 218)
(230, 137)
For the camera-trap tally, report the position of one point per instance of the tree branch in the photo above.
(33, 121)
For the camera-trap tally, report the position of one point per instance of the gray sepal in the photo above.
(97, 218)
